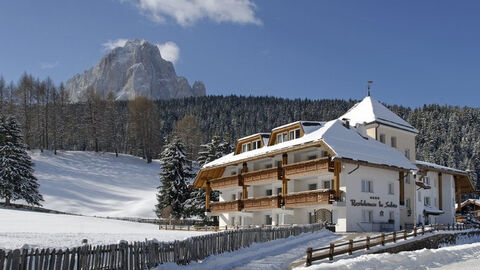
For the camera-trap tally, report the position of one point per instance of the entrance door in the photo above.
(323, 215)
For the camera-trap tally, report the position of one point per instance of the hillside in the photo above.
(97, 183)
(42, 230)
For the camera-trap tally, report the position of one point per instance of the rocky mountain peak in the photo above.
(136, 69)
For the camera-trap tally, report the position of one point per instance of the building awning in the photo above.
(432, 211)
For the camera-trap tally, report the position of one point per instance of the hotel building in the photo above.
(358, 172)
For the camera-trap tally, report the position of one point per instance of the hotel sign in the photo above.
(356, 203)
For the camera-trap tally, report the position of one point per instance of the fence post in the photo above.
(331, 250)
(368, 242)
(423, 230)
(414, 231)
(404, 234)
(350, 247)
(383, 239)
(308, 262)
(394, 237)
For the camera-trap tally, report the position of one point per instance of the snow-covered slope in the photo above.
(97, 183)
(41, 230)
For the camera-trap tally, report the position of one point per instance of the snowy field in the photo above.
(277, 254)
(98, 184)
(462, 256)
(36, 229)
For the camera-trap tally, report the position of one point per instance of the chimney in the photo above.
(361, 130)
(346, 122)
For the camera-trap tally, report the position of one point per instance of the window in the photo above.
(419, 196)
(285, 137)
(393, 141)
(234, 197)
(279, 138)
(407, 178)
(407, 203)
(256, 144)
(233, 221)
(268, 192)
(279, 190)
(367, 215)
(268, 165)
(407, 153)
(312, 186)
(435, 202)
(268, 219)
(427, 201)
(312, 157)
(245, 147)
(390, 188)
(391, 215)
(382, 138)
(240, 195)
(367, 186)
(294, 134)
(326, 184)
(426, 180)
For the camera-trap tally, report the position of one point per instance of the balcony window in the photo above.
(312, 186)
(326, 184)
(367, 186)
(268, 219)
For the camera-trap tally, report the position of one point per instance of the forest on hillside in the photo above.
(448, 134)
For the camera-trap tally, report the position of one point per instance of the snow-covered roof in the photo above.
(370, 110)
(345, 142)
(438, 167)
(254, 135)
(307, 125)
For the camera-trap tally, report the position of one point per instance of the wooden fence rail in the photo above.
(142, 255)
(370, 241)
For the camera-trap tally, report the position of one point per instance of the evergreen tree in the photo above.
(209, 152)
(174, 177)
(16, 167)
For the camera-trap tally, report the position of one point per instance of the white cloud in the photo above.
(187, 12)
(169, 51)
(49, 65)
(112, 44)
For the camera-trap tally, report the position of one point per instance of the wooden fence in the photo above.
(371, 241)
(142, 255)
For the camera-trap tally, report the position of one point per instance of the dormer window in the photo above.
(245, 147)
(256, 144)
(287, 136)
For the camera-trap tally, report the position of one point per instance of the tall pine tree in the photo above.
(174, 177)
(209, 152)
(16, 167)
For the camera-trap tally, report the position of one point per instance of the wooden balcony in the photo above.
(261, 176)
(226, 182)
(262, 203)
(308, 198)
(225, 207)
(306, 168)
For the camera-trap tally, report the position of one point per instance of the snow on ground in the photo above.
(36, 229)
(276, 254)
(98, 184)
(462, 256)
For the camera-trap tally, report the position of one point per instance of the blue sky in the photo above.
(416, 51)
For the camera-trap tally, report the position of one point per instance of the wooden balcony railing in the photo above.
(225, 207)
(261, 176)
(308, 198)
(306, 168)
(261, 203)
(226, 182)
